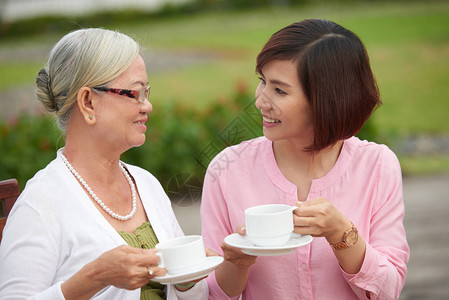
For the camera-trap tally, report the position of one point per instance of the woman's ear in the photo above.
(84, 100)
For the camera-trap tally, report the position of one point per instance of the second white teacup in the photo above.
(179, 254)
(269, 225)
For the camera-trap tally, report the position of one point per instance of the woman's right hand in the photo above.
(123, 267)
(232, 274)
(127, 267)
(235, 255)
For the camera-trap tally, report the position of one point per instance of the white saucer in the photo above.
(243, 242)
(210, 263)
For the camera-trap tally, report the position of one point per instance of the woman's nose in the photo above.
(147, 107)
(262, 101)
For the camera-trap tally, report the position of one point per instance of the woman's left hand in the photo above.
(319, 217)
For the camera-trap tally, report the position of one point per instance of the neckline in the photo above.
(139, 228)
(319, 184)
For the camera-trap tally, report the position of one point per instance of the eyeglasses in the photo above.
(140, 94)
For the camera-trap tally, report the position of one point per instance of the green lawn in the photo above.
(17, 73)
(408, 44)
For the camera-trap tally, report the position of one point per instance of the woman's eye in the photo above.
(279, 91)
(262, 80)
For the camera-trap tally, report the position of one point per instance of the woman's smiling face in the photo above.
(285, 109)
(123, 119)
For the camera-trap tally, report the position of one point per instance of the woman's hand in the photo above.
(319, 217)
(232, 274)
(235, 255)
(123, 267)
(128, 268)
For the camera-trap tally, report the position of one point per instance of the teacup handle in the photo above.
(161, 260)
(293, 207)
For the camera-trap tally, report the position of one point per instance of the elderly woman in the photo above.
(84, 226)
(315, 93)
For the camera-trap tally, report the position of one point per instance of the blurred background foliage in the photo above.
(204, 105)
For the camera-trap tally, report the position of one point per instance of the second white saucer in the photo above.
(210, 263)
(242, 242)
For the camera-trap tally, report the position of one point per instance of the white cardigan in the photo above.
(54, 229)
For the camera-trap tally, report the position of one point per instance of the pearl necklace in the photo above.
(92, 194)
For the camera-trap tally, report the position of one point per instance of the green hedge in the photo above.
(27, 143)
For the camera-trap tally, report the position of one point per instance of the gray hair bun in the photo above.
(44, 91)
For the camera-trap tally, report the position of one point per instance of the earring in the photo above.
(91, 117)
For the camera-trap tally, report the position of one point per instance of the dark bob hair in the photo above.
(334, 71)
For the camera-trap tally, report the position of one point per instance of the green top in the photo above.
(145, 238)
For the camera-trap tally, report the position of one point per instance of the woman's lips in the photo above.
(141, 123)
(269, 122)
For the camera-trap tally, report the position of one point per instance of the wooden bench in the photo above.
(9, 192)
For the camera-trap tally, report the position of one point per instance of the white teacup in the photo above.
(269, 225)
(179, 254)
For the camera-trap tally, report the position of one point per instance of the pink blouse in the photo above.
(365, 185)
